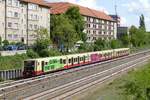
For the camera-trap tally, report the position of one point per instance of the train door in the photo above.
(42, 64)
(84, 58)
(72, 61)
(78, 60)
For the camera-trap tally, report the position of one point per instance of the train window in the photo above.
(46, 63)
(80, 58)
(74, 59)
(52, 67)
(64, 61)
(55, 61)
(69, 60)
(38, 63)
(50, 62)
(61, 61)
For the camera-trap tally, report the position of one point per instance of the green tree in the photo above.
(0, 40)
(63, 32)
(5, 42)
(77, 20)
(138, 37)
(125, 39)
(42, 34)
(42, 42)
(32, 54)
(86, 48)
(115, 44)
(142, 23)
(99, 44)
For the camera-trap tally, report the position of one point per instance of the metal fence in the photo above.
(11, 74)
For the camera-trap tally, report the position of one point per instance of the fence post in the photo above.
(11, 74)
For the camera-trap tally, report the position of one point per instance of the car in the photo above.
(22, 47)
(10, 48)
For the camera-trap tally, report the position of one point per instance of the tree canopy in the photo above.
(63, 32)
(142, 23)
(77, 21)
(67, 29)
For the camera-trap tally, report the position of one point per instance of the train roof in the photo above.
(73, 55)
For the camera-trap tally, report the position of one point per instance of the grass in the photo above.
(12, 62)
(136, 49)
(121, 89)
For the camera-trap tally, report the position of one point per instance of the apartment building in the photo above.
(20, 18)
(117, 19)
(98, 24)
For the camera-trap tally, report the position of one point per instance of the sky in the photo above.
(128, 10)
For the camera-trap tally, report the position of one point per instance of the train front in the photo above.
(29, 68)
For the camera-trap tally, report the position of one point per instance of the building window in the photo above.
(10, 2)
(35, 27)
(9, 14)
(16, 25)
(16, 3)
(31, 16)
(94, 32)
(16, 14)
(9, 24)
(87, 31)
(9, 35)
(33, 6)
(31, 26)
(36, 17)
(94, 38)
(100, 32)
(15, 35)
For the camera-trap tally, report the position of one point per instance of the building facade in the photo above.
(117, 19)
(98, 24)
(98, 28)
(20, 18)
(121, 31)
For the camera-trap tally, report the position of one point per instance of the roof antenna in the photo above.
(116, 13)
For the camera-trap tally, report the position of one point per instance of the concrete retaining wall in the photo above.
(11, 53)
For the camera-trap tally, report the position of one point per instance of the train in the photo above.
(40, 66)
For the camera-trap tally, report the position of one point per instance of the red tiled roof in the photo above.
(61, 7)
(39, 2)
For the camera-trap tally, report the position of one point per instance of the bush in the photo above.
(32, 54)
(44, 53)
(5, 42)
(48, 53)
(12, 62)
(1, 48)
(54, 52)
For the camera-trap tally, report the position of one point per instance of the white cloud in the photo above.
(123, 21)
(138, 6)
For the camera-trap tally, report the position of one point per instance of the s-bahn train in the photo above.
(39, 66)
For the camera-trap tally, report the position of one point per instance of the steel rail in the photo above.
(73, 85)
(29, 80)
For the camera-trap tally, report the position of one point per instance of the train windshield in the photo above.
(29, 65)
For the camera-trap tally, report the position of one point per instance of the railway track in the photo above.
(24, 88)
(8, 84)
(70, 89)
